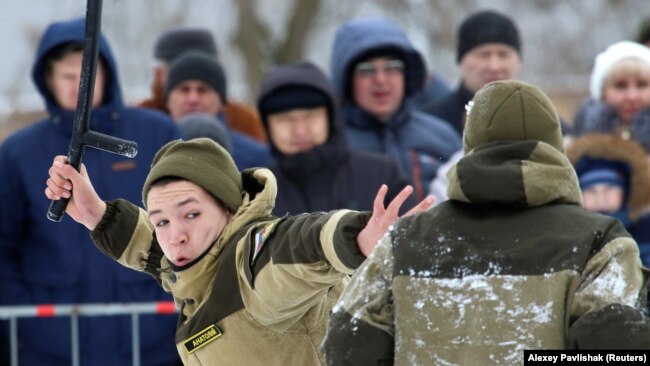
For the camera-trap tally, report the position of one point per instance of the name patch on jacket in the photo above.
(202, 338)
(121, 166)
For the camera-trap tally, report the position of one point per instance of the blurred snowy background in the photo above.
(560, 38)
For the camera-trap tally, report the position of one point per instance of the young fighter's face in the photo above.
(186, 218)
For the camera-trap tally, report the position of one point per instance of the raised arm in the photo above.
(119, 228)
(305, 255)
(85, 206)
(384, 217)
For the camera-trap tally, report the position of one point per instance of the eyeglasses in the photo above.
(369, 69)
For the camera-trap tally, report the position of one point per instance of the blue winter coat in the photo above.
(45, 262)
(418, 142)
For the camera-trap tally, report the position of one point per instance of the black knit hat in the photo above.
(197, 65)
(176, 41)
(486, 27)
(292, 97)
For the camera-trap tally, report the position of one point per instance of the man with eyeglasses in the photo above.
(376, 72)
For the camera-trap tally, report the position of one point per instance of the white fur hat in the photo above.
(611, 56)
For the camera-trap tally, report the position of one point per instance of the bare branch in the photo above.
(250, 38)
(292, 48)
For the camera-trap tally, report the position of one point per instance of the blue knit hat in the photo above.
(599, 171)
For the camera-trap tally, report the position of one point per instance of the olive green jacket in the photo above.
(261, 295)
(511, 262)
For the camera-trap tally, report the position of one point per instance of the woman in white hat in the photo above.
(619, 89)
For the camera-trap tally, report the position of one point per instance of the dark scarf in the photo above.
(323, 159)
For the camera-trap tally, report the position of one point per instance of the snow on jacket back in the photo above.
(511, 262)
(46, 262)
(496, 278)
(418, 142)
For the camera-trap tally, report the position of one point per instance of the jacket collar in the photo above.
(358, 118)
(194, 282)
(521, 174)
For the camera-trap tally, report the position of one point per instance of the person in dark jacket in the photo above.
(376, 72)
(172, 43)
(512, 261)
(42, 262)
(488, 49)
(196, 83)
(315, 169)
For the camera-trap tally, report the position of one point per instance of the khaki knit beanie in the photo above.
(202, 162)
(511, 110)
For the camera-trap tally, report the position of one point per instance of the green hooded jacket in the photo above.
(511, 262)
(262, 293)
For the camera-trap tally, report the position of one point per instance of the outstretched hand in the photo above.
(382, 218)
(84, 206)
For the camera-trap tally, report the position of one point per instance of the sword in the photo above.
(82, 136)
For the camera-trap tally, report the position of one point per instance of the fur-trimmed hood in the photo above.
(610, 147)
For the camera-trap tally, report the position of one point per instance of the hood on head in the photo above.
(614, 148)
(358, 37)
(299, 74)
(511, 110)
(73, 31)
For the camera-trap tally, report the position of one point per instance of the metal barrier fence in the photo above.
(12, 313)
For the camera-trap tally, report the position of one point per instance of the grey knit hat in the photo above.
(204, 125)
(175, 41)
(511, 110)
(202, 162)
(197, 65)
